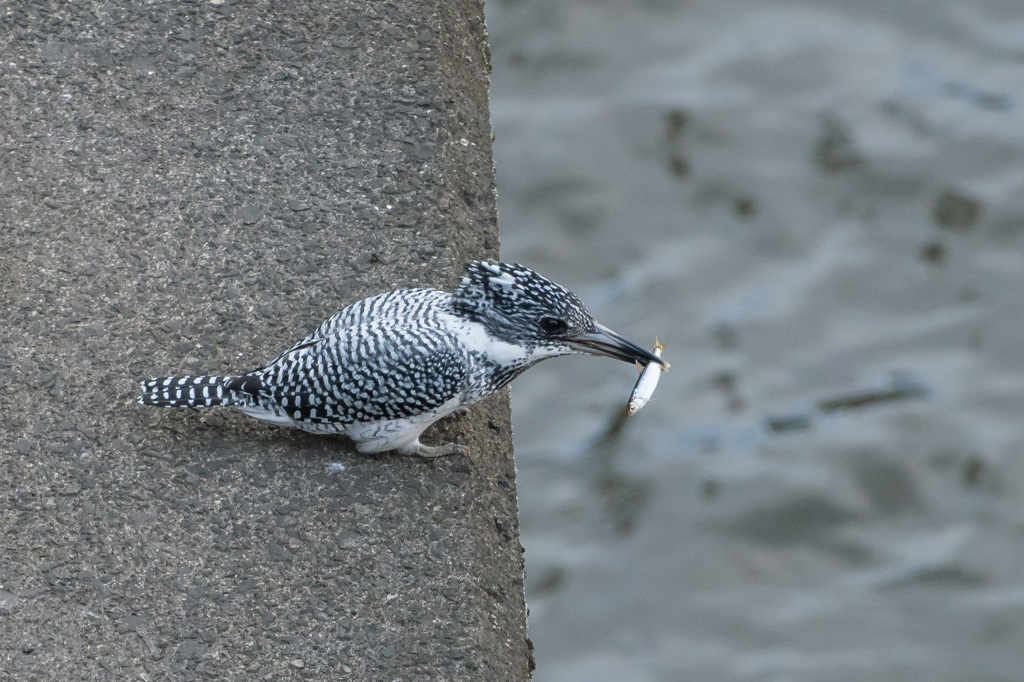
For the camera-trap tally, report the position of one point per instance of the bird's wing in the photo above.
(367, 372)
(398, 304)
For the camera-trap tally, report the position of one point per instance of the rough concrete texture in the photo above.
(190, 187)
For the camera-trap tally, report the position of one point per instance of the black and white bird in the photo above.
(385, 368)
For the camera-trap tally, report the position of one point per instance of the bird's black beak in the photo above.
(603, 341)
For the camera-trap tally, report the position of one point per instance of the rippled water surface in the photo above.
(819, 208)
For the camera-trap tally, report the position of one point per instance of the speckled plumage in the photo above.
(385, 368)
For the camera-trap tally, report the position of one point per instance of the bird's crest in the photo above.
(492, 284)
(514, 297)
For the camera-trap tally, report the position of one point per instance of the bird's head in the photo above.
(517, 305)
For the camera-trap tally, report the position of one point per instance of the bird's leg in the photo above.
(430, 451)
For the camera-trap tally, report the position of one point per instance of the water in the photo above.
(819, 208)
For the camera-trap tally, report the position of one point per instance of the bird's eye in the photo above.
(553, 326)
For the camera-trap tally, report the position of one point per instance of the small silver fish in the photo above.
(645, 385)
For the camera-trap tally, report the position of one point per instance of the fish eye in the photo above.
(553, 326)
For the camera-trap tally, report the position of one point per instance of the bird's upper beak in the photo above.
(603, 341)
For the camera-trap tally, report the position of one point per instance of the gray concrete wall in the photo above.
(191, 187)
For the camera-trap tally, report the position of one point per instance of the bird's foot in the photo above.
(429, 451)
(457, 413)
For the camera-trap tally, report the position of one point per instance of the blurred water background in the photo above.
(819, 208)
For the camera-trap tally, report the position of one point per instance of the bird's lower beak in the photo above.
(603, 341)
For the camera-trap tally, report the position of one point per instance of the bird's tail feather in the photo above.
(187, 392)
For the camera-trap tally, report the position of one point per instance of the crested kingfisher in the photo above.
(385, 368)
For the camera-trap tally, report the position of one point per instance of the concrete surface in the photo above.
(190, 187)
